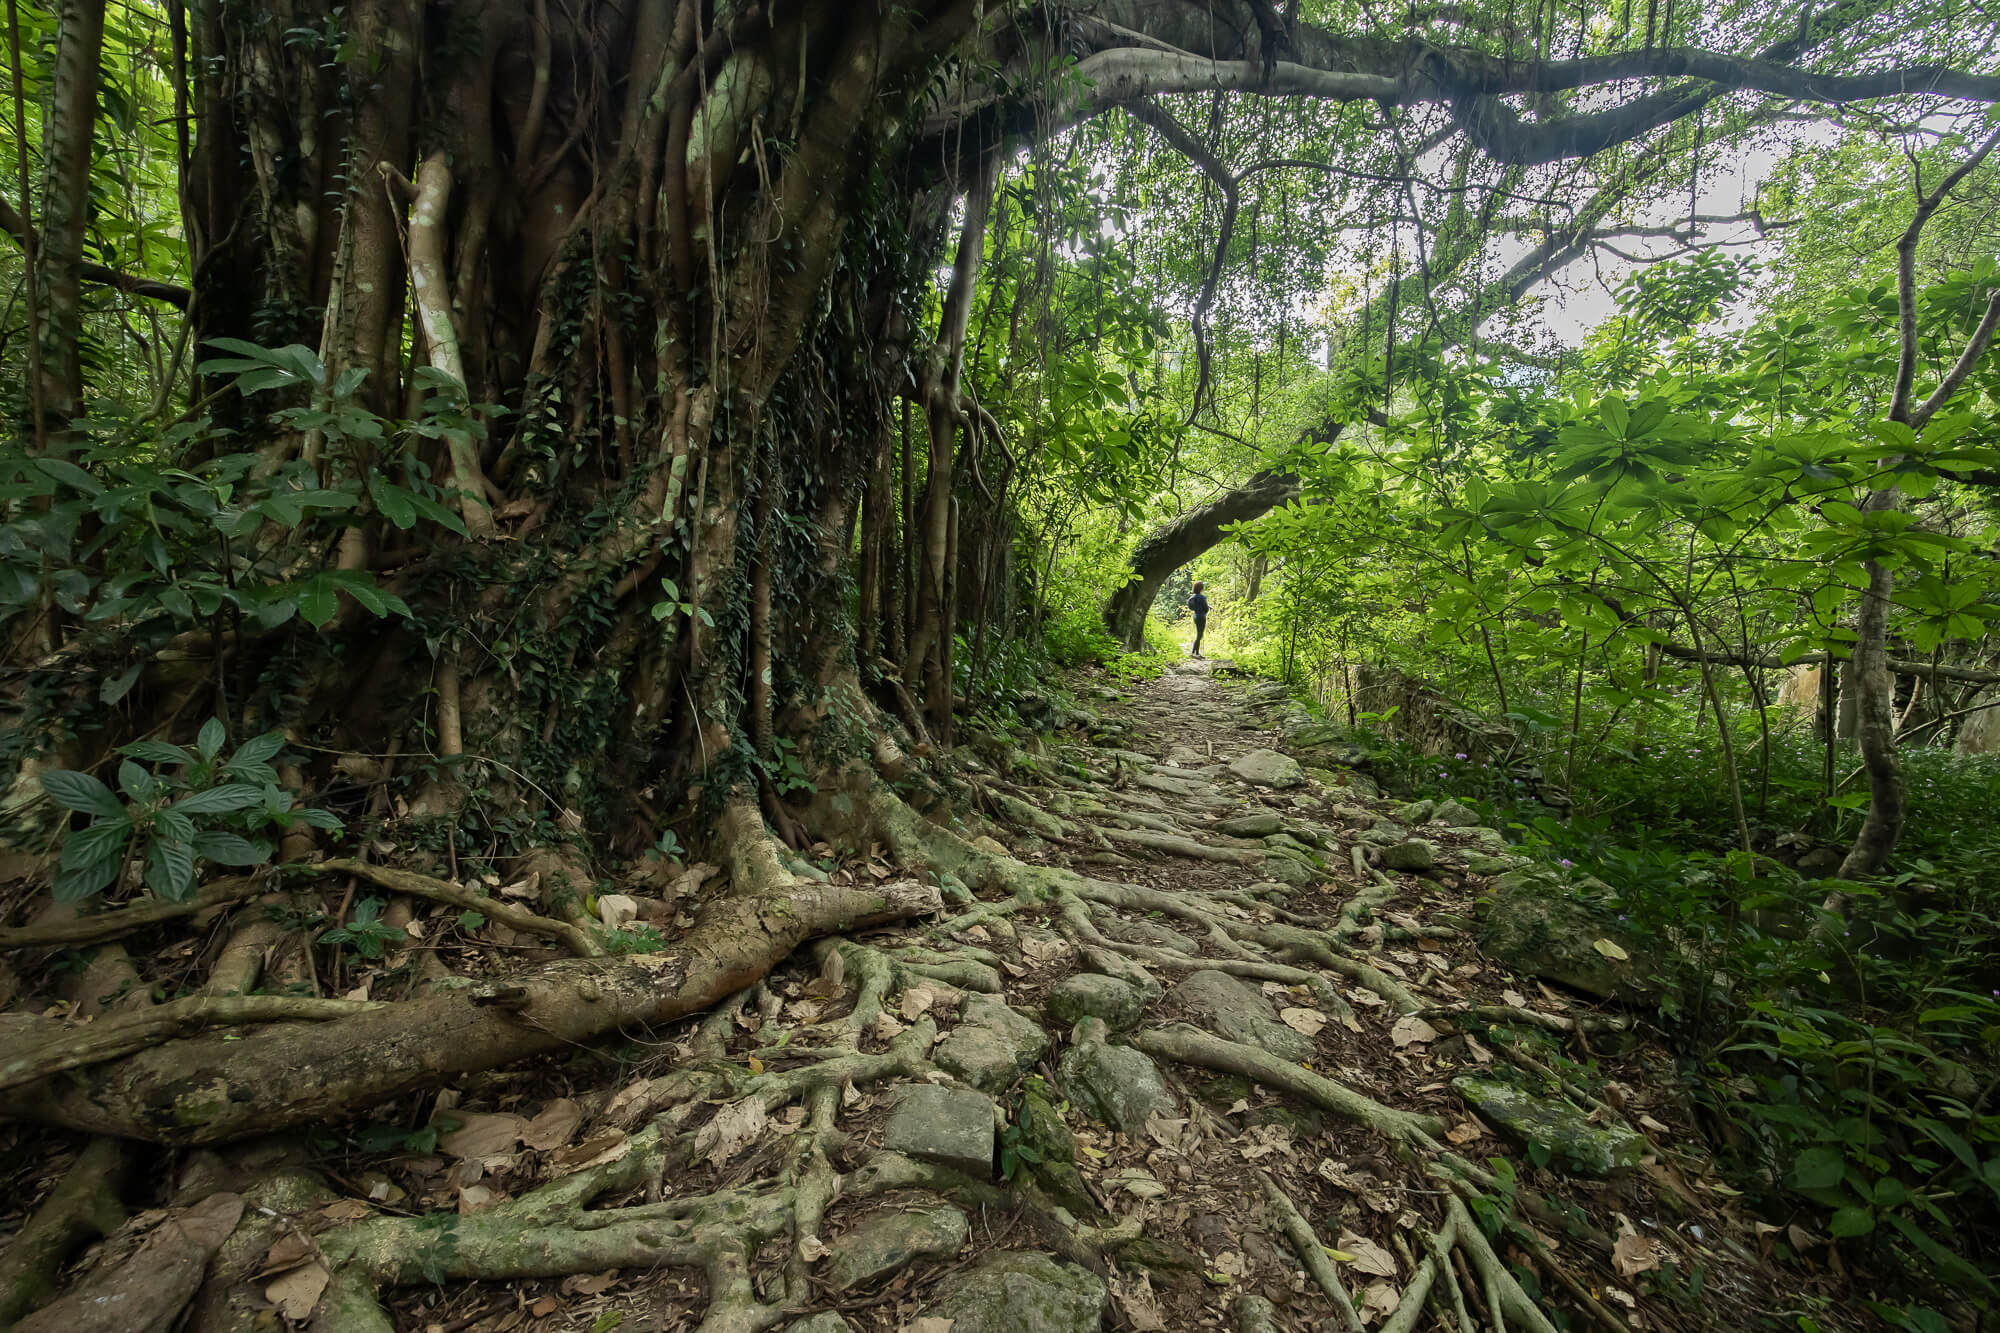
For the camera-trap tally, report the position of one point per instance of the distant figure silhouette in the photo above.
(1199, 605)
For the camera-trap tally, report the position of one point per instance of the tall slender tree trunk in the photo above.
(67, 127)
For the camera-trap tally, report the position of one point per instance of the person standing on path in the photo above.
(1199, 605)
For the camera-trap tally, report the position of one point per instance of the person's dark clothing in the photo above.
(1199, 605)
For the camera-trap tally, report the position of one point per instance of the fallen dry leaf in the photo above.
(731, 1131)
(917, 1001)
(1477, 1051)
(1465, 1131)
(297, 1292)
(1041, 950)
(1166, 1131)
(290, 1250)
(1307, 1021)
(482, 1134)
(476, 1199)
(1139, 1305)
(594, 1149)
(929, 1323)
(345, 1210)
(1412, 1031)
(812, 1249)
(1367, 998)
(1379, 1301)
(553, 1127)
(1610, 950)
(1635, 1254)
(1369, 1257)
(544, 1307)
(591, 1284)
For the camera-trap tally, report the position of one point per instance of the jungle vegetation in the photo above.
(547, 437)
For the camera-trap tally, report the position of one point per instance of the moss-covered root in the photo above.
(1192, 1046)
(1409, 1310)
(1254, 1314)
(84, 1205)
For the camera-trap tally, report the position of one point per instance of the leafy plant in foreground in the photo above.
(203, 806)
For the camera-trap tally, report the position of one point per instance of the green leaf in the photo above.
(1851, 1221)
(317, 601)
(170, 869)
(120, 685)
(1615, 415)
(73, 884)
(1819, 1168)
(104, 840)
(470, 921)
(397, 505)
(220, 800)
(257, 750)
(212, 738)
(229, 849)
(81, 792)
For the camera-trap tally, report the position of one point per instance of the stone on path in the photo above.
(1105, 962)
(1414, 855)
(1116, 1084)
(952, 1127)
(890, 1241)
(1359, 784)
(1257, 824)
(1575, 1144)
(992, 1045)
(1383, 833)
(1454, 815)
(826, 1321)
(1016, 1292)
(1481, 864)
(1238, 1011)
(1268, 768)
(1414, 812)
(1088, 995)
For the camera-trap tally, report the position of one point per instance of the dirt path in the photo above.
(1204, 1068)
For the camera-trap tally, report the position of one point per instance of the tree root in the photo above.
(83, 1206)
(578, 940)
(70, 931)
(1411, 1307)
(1310, 1251)
(210, 1089)
(72, 1047)
(1192, 1046)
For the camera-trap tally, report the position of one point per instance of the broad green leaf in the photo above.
(81, 792)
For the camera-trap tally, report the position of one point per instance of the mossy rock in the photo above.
(1014, 1292)
(1575, 1145)
(1570, 933)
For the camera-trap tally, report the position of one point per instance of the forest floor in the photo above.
(1233, 1069)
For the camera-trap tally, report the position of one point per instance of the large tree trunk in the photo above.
(1173, 544)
